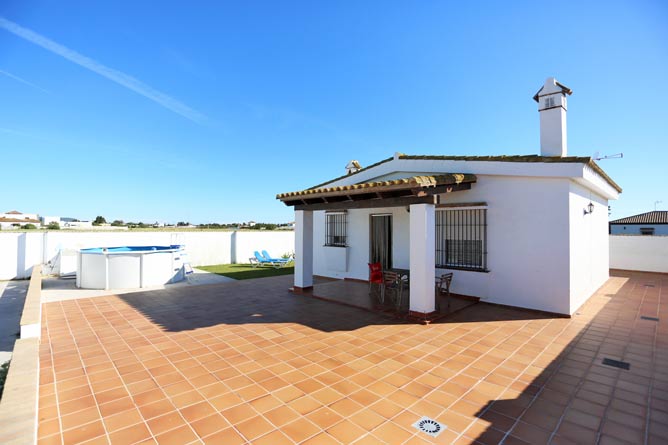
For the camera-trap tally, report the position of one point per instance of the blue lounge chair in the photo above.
(259, 260)
(268, 257)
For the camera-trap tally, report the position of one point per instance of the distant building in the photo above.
(15, 219)
(76, 224)
(650, 223)
(46, 220)
(287, 226)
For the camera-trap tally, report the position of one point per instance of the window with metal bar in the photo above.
(461, 239)
(336, 229)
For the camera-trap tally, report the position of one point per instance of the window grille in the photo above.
(336, 229)
(461, 239)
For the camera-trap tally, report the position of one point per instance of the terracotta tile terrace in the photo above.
(249, 362)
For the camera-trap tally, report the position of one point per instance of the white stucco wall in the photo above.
(642, 253)
(634, 229)
(589, 253)
(9, 248)
(275, 243)
(527, 235)
(19, 251)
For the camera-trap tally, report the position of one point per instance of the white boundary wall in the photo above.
(640, 252)
(19, 251)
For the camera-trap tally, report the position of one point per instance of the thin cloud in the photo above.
(120, 78)
(23, 81)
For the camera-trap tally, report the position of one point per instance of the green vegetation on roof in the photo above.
(498, 158)
(502, 158)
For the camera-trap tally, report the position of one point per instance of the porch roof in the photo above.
(403, 191)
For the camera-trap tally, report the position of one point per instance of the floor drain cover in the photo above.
(429, 426)
(645, 317)
(616, 363)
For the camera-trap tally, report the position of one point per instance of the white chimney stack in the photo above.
(353, 167)
(551, 100)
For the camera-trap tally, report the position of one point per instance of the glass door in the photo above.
(381, 240)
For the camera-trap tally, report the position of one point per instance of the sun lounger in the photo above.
(268, 257)
(258, 261)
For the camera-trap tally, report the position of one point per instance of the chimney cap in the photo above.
(353, 167)
(550, 81)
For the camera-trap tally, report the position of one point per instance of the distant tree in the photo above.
(141, 225)
(29, 226)
(53, 225)
(211, 226)
(263, 226)
(118, 223)
(99, 220)
(182, 223)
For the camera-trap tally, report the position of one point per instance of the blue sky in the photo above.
(203, 111)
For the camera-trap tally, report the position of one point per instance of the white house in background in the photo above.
(650, 223)
(15, 219)
(68, 223)
(46, 220)
(87, 225)
(527, 231)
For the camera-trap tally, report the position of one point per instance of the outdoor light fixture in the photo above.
(589, 209)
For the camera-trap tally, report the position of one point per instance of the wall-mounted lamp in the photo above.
(589, 209)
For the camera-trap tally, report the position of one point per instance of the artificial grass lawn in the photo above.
(246, 271)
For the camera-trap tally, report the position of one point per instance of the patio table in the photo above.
(403, 273)
(404, 279)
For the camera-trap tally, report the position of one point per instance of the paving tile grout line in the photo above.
(97, 405)
(652, 377)
(489, 407)
(569, 347)
(124, 384)
(577, 388)
(582, 381)
(480, 339)
(464, 334)
(619, 374)
(180, 372)
(434, 369)
(53, 372)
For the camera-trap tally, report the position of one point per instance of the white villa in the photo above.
(15, 219)
(649, 223)
(529, 231)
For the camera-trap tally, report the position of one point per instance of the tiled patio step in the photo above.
(18, 407)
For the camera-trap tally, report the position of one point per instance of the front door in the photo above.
(381, 240)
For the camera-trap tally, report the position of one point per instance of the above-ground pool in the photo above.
(130, 267)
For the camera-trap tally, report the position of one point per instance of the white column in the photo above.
(303, 249)
(422, 257)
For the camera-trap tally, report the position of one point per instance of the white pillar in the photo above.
(422, 258)
(303, 249)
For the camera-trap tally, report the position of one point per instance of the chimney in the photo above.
(353, 167)
(552, 107)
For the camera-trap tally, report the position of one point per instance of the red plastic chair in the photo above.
(376, 277)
